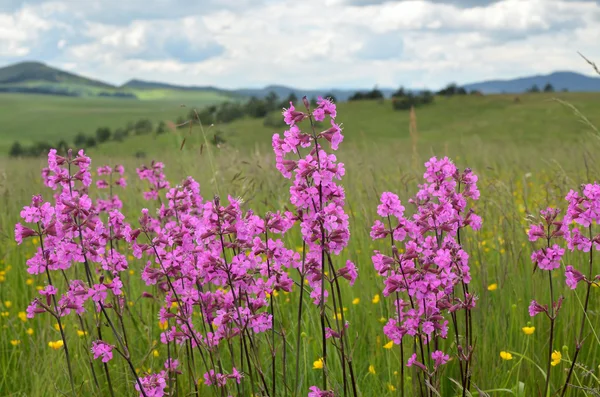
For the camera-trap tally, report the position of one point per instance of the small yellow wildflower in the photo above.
(22, 316)
(163, 325)
(391, 387)
(131, 272)
(376, 298)
(528, 330)
(56, 345)
(506, 356)
(389, 345)
(7, 304)
(81, 333)
(174, 305)
(39, 287)
(356, 301)
(4, 314)
(155, 353)
(492, 287)
(129, 257)
(15, 342)
(318, 364)
(56, 326)
(382, 320)
(29, 331)
(29, 281)
(372, 370)
(339, 316)
(556, 357)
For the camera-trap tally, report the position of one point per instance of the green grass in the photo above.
(29, 118)
(527, 155)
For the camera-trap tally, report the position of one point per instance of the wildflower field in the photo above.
(359, 252)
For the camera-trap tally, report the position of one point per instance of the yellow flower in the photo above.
(389, 345)
(318, 364)
(131, 272)
(4, 314)
(163, 325)
(22, 316)
(7, 304)
(174, 305)
(15, 342)
(56, 345)
(356, 301)
(29, 281)
(129, 257)
(382, 320)
(506, 356)
(39, 287)
(299, 248)
(391, 387)
(492, 287)
(528, 330)
(376, 298)
(155, 353)
(29, 331)
(372, 369)
(81, 333)
(556, 357)
(339, 316)
(56, 326)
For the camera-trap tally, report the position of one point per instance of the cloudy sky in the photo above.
(302, 43)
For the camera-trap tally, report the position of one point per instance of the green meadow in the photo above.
(528, 153)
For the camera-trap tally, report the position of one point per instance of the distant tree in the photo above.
(399, 93)
(476, 93)
(330, 96)
(357, 96)
(272, 101)
(256, 108)
(103, 134)
(80, 140)
(16, 150)
(451, 90)
(286, 102)
(565, 90)
(90, 142)
(161, 128)
(229, 111)
(313, 102)
(62, 147)
(548, 88)
(119, 135)
(143, 127)
(534, 88)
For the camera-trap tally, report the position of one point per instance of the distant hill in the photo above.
(284, 91)
(570, 81)
(143, 85)
(38, 78)
(36, 71)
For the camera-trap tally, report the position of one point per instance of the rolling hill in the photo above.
(570, 81)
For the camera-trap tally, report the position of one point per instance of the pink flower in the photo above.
(535, 308)
(390, 205)
(349, 272)
(314, 391)
(439, 358)
(548, 258)
(573, 277)
(102, 349)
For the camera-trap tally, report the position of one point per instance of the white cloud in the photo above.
(312, 43)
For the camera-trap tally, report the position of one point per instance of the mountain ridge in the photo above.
(33, 76)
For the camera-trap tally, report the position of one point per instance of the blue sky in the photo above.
(307, 43)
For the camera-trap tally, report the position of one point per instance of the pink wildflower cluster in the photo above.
(319, 208)
(423, 276)
(219, 260)
(156, 178)
(318, 199)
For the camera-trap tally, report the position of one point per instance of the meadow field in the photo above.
(528, 154)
